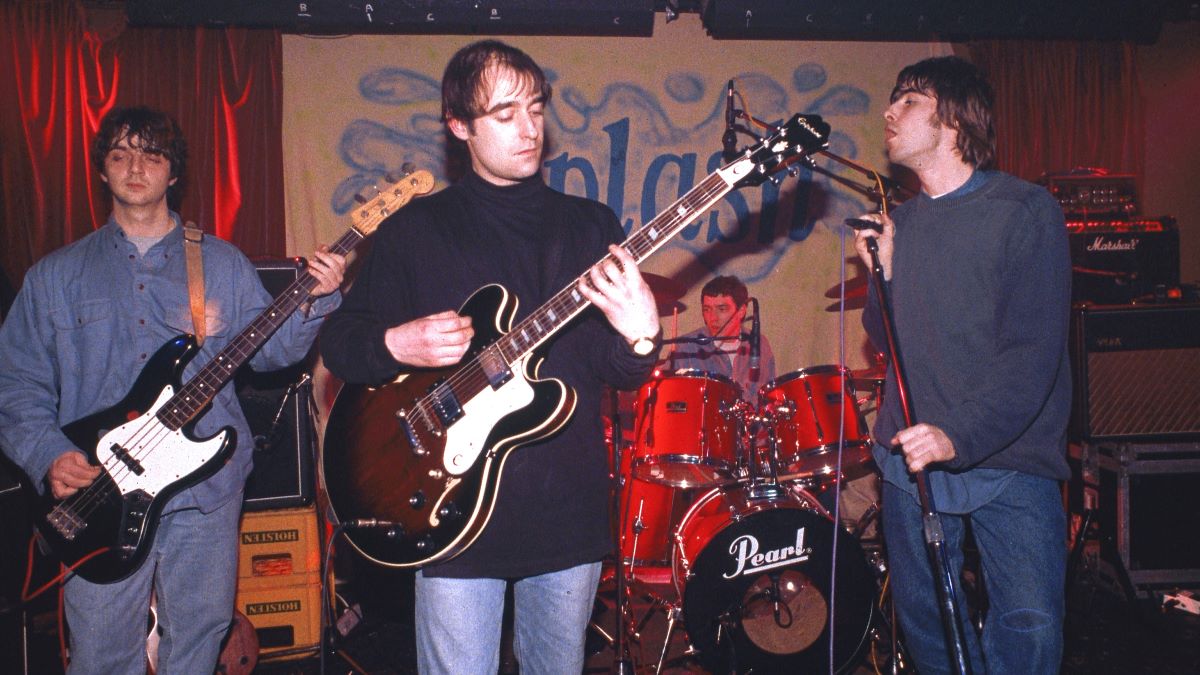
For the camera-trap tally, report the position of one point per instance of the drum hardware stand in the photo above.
(621, 663)
(931, 520)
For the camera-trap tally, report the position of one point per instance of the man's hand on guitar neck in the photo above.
(434, 341)
(70, 473)
(623, 295)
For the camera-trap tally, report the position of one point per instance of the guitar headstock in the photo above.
(800, 136)
(388, 200)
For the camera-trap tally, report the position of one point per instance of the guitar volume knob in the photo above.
(417, 500)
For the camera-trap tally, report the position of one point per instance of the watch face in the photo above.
(643, 346)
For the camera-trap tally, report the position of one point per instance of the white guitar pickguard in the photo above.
(466, 437)
(165, 456)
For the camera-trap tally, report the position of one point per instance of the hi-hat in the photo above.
(873, 375)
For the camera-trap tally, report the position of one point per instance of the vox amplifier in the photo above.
(1135, 371)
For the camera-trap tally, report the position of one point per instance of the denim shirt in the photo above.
(89, 317)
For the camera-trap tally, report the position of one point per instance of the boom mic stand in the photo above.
(931, 521)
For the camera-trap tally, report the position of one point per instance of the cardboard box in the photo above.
(279, 543)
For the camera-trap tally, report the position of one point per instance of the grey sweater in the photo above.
(981, 296)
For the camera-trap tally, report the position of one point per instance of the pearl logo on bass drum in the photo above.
(748, 560)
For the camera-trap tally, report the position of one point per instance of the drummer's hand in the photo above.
(884, 240)
(923, 444)
(622, 294)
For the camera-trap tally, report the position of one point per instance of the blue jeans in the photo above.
(192, 566)
(1021, 537)
(459, 621)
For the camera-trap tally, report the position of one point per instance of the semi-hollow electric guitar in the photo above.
(421, 457)
(144, 443)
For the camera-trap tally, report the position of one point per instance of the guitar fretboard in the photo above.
(194, 396)
(545, 321)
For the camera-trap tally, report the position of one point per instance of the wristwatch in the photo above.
(644, 346)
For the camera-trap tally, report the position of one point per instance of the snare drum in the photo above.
(686, 435)
(812, 402)
(752, 566)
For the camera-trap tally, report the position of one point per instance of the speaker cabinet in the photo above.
(15, 529)
(277, 406)
(1136, 369)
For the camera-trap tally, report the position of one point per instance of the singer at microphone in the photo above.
(727, 350)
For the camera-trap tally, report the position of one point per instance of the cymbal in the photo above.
(667, 293)
(664, 288)
(669, 308)
(851, 303)
(875, 374)
(855, 288)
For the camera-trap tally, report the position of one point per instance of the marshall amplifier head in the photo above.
(1117, 262)
(1135, 372)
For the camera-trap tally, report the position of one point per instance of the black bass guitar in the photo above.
(421, 457)
(144, 443)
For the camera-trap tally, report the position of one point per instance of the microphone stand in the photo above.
(935, 538)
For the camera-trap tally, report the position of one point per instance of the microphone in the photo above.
(729, 138)
(755, 343)
(864, 224)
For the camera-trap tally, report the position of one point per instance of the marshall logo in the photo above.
(283, 607)
(270, 537)
(1100, 244)
(748, 559)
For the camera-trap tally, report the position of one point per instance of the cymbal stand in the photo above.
(621, 663)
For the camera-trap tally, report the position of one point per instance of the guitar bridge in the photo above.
(66, 522)
(418, 448)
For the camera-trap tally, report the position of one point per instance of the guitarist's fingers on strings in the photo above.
(617, 288)
(433, 341)
(70, 473)
(328, 268)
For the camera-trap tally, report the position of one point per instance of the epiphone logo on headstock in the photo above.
(808, 127)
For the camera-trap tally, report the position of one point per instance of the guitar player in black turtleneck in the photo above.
(548, 526)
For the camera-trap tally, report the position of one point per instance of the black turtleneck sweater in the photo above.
(553, 510)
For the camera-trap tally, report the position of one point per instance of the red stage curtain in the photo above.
(62, 67)
(1061, 105)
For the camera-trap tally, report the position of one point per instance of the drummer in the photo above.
(721, 347)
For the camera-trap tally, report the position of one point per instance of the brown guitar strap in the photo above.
(192, 236)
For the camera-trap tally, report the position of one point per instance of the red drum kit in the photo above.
(717, 505)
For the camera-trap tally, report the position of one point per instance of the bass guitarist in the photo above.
(85, 324)
(501, 224)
